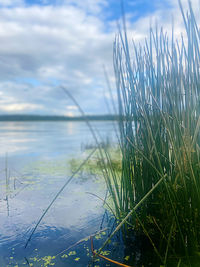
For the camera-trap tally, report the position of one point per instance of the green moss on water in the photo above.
(71, 253)
(127, 258)
(64, 256)
(48, 167)
(43, 261)
(94, 165)
(105, 253)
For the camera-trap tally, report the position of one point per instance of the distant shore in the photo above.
(58, 118)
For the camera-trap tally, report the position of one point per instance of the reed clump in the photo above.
(158, 87)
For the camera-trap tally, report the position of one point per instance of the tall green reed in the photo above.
(158, 86)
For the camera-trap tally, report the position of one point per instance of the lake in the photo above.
(34, 164)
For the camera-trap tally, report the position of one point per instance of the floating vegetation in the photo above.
(94, 165)
(48, 167)
(43, 261)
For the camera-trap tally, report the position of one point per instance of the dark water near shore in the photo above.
(34, 165)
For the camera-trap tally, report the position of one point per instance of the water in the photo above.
(34, 165)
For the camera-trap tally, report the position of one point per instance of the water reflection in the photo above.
(48, 137)
(35, 168)
(71, 128)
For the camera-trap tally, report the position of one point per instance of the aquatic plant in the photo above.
(94, 165)
(158, 86)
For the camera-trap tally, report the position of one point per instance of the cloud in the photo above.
(60, 43)
(63, 42)
(19, 107)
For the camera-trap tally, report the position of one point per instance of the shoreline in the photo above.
(8, 118)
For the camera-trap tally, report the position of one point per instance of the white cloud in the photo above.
(60, 43)
(19, 107)
(65, 43)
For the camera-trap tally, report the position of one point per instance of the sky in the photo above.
(47, 44)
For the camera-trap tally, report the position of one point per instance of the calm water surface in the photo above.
(34, 165)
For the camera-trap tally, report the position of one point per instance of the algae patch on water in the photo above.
(48, 167)
(112, 158)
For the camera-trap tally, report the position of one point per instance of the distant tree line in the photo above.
(58, 118)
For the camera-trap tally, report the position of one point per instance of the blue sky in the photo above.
(44, 44)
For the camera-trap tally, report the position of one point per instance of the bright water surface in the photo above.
(34, 165)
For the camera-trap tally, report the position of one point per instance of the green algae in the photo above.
(48, 260)
(127, 258)
(105, 253)
(94, 165)
(72, 253)
(44, 261)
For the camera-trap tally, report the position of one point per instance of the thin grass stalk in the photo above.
(57, 195)
(131, 212)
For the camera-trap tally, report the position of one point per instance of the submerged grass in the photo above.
(158, 87)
